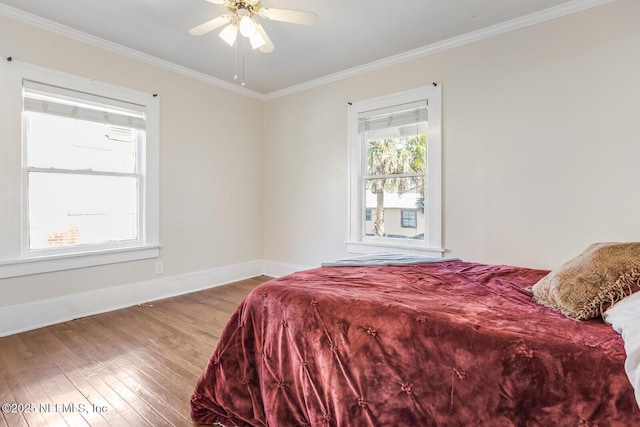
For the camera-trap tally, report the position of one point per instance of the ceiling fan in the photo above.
(242, 17)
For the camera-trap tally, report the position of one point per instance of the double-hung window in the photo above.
(82, 173)
(395, 173)
(81, 169)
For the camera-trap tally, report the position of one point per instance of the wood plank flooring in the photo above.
(132, 367)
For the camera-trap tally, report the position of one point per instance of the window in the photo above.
(81, 169)
(395, 173)
(408, 218)
(82, 172)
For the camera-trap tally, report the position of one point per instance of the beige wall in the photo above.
(541, 144)
(203, 222)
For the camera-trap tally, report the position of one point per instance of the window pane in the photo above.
(66, 143)
(388, 198)
(394, 156)
(68, 210)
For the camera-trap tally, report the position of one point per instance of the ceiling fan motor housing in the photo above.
(251, 6)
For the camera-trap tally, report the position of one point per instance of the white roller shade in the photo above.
(393, 117)
(47, 99)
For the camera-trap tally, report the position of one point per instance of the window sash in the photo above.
(86, 206)
(140, 222)
(40, 150)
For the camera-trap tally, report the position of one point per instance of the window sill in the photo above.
(373, 247)
(47, 264)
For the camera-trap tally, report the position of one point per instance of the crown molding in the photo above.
(77, 35)
(464, 39)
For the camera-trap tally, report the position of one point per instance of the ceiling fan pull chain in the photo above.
(243, 83)
(235, 61)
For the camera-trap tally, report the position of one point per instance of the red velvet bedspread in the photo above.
(443, 344)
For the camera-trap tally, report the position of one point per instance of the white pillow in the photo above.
(624, 316)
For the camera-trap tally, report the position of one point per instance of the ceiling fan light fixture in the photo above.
(229, 34)
(257, 40)
(247, 27)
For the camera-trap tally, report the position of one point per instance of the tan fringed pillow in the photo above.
(590, 283)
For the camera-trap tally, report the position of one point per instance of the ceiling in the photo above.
(350, 34)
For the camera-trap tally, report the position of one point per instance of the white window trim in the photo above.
(356, 241)
(14, 260)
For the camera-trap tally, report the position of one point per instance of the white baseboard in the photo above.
(37, 314)
(279, 269)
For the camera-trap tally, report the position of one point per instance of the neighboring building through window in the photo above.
(395, 172)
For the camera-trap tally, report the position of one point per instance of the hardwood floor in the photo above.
(136, 366)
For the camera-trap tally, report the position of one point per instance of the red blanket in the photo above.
(442, 344)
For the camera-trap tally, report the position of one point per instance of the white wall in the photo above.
(210, 205)
(541, 145)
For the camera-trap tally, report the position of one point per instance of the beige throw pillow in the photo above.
(587, 285)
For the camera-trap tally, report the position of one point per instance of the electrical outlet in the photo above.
(159, 267)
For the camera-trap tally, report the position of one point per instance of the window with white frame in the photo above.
(395, 173)
(82, 172)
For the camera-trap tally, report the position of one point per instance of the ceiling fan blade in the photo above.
(268, 46)
(210, 25)
(288, 15)
(216, 1)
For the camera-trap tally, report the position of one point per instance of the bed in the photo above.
(448, 343)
